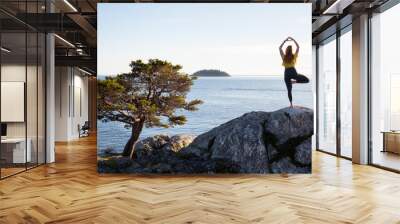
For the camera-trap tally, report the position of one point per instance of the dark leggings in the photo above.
(291, 73)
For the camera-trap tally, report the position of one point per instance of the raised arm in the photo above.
(297, 45)
(281, 50)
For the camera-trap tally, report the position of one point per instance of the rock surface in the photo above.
(257, 142)
(260, 142)
(152, 145)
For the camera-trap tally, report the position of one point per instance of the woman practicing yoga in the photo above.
(289, 61)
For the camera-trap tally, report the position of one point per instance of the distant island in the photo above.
(210, 73)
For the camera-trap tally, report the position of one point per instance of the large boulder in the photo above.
(257, 142)
(260, 142)
(158, 154)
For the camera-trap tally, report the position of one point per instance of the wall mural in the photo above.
(204, 88)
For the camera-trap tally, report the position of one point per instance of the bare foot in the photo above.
(293, 81)
(291, 105)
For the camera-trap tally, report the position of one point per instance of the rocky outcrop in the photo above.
(157, 143)
(157, 154)
(257, 142)
(260, 142)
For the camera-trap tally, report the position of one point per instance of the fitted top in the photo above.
(291, 63)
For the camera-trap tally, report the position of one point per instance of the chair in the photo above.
(84, 130)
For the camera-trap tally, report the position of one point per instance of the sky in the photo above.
(238, 38)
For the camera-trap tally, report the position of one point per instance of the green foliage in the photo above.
(152, 92)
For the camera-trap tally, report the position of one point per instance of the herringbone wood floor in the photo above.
(71, 191)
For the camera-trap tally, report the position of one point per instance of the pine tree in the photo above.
(148, 96)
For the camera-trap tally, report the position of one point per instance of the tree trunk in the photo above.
(136, 130)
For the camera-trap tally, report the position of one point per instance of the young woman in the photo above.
(289, 61)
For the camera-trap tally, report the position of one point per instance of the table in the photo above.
(13, 150)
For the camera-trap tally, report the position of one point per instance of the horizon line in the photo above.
(211, 76)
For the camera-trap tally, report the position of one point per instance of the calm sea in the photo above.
(224, 98)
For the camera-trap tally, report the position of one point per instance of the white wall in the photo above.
(13, 100)
(62, 82)
(12, 73)
(80, 115)
(16, 73)
(71, 102)
(33, 126)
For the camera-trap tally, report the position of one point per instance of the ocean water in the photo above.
(224, 98)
